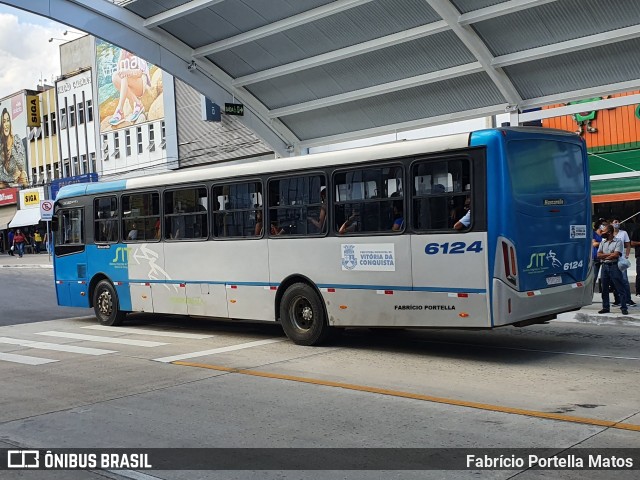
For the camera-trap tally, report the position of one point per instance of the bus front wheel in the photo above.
(106, 305)
(302, 315)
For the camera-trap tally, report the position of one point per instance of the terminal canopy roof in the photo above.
(319, 71)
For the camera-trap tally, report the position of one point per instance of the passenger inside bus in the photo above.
(133, 233)
(258, 227)
(465, 221)
(398, 216)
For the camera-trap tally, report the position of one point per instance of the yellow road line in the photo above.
(418, 396)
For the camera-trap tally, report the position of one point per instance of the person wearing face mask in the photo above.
(609, 251)
(623, 236)
(595, 243)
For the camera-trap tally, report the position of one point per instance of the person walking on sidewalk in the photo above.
(609, 251)
(624, 237)
(19, 240)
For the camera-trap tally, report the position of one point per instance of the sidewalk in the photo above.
(29, 260)
(589, 314)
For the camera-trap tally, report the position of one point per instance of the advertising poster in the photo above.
(129, 88)
(13, 128)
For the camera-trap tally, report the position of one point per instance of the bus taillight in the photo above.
(509, 260)
(514, 267)
(505, 257)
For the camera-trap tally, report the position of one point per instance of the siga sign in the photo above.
(46, 210)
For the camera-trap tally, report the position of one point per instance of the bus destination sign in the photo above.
(234, 109)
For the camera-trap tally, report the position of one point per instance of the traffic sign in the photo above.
(46, 210)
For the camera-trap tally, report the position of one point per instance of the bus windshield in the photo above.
(545, 166)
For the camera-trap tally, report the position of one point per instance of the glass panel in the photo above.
(186, 214)
(441, 190)
(545, 166)
(298, 206)
(141, 216)
(106, 221)
(70, 229)
(238, 210)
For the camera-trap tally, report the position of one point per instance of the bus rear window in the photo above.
(545, 166)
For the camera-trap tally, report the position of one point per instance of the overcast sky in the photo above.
(26, 55)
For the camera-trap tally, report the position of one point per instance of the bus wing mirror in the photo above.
(54, 223)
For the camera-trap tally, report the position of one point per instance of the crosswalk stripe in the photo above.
(144, 331)
(25, 359)
(55, 347)
(231, 348)
(96, 338)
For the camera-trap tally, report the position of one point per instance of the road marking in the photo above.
(96, 338)
(25, 359)
(144, 331)
(418, 396)
(213, 351)
(55, 347)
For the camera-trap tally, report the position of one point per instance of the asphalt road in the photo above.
(28, 295)
(171, 382)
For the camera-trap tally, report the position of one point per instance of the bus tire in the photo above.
(302, 315)
(106, 305)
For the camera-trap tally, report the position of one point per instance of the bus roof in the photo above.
(320, 160)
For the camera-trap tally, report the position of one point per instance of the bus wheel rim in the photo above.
(105, 303)
(301, 313)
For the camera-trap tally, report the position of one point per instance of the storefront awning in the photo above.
(6, 214)
(23, 218)
(615, 190)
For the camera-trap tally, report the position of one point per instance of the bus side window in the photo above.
(297, 205)
(237, 210)
(369, 200)
(439, 190)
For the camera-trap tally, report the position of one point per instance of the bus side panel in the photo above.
(71, 280)
(404, 308)
(455, 265)
(113, 261)
(357, 268)
(245, 267)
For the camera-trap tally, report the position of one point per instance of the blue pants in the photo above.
(611, 274)
(20, 248)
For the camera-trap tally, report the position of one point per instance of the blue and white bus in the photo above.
(355, 238)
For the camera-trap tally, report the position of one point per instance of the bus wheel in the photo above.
(302, 315)
(105, 304)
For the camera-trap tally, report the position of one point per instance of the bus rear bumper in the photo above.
(510, 306)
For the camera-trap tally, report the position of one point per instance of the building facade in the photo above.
(613, 143)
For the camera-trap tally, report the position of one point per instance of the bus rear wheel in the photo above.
(106, 305)
(302, 315)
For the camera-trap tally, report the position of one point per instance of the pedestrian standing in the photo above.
(37, 240)
(626, 242)
(609, 251)
(595, 243)
(10, 236)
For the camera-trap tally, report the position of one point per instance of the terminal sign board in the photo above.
(234, 109)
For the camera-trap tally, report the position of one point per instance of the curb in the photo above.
(26, 266)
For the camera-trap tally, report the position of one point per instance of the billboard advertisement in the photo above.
(13, 142)
(129, 88)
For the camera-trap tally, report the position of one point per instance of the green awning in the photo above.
(622, 161)
(615, 190)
